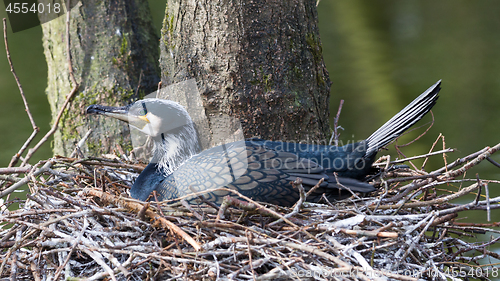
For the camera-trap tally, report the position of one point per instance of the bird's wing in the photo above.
(255, 171)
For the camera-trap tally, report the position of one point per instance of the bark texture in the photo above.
(114, 52)
(259, 62)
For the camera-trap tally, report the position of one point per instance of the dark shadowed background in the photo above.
(380, 55)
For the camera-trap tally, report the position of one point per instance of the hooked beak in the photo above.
(120, 113)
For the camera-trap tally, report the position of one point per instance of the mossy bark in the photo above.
(257, 61)
(114, 52)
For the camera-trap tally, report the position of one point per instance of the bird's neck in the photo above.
(173, 148)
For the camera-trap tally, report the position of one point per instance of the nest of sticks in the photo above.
(78, 223)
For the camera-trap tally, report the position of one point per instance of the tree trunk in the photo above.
(114, 53)
(259, 62)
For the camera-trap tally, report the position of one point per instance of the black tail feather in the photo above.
(406, 118)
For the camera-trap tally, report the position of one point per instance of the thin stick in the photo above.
(15, 76)
(488, 208)
(75, 245)
(416, 157)
(297, 184)
(477, 160)
(137, 207)
(15, 170)
(440, 200)
(315, 187)
(16, 157)
(480, 184)
(335, 135)
(139, 83)
(68, 98)
(52, 130)
(493, 162)
(80, 144)
(248, 236)
(26, 179)
(430, 150)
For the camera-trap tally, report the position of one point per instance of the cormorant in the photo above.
(259, 169)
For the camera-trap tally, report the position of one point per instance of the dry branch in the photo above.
(16, 157)
(138, 207)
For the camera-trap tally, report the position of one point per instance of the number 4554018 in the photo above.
(24, 8)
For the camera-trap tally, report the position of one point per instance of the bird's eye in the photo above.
(144, 110)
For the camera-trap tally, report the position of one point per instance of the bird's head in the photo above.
(152, 117)
(167, 122)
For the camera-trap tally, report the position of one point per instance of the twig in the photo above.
(258, 206)
(80, 144)
(370, 233)
(335, 135)
(251, 265)
(275, 272)
(421, 177)
(414, 240)
(69, 97)
(35, 128)
(53, 129)
(75, 244)
(315, 187)
(480, 246)
(310, 249)
(159, 88)
(343, 186)
(248, 235)
(106, 162)
(480, 184)
(397, 146)
(13, 269)
(9, 178)
(488, 207)
(97, 257)
(297, 184)
(351, 252)
(229, 201)
(139, 83)
(202, 199)
(477, 160)
(416, 157)
(26, 179)
(16, 157)
(441, 200)
(137, 207)
(460, 161)
(493, 162)
(188, 206)
(471, 206)
(432, 148)
(15, 170)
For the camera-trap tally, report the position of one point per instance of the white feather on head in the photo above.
(173, 132)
